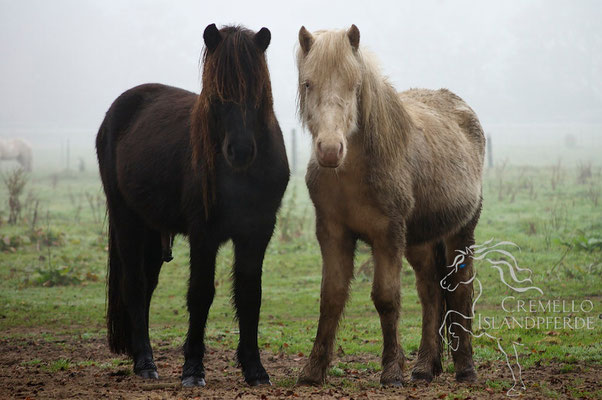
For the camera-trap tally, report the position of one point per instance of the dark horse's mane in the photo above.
(236, 71)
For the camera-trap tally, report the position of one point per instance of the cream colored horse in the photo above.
(400, 171)
(18, 150)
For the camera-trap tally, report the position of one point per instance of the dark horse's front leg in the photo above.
(200, 296)
(248, 253)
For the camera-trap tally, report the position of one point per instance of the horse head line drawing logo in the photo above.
(498, 258)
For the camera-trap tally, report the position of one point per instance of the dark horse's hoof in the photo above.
(467, 375)
(258, 378)
(254, 372)
(261, 381)
(192, 381)
(148, 374)
(146, 369)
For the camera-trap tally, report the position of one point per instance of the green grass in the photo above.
(58, 365)
(52, 283)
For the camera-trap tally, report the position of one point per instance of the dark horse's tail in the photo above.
(117, 318)
(114, 124)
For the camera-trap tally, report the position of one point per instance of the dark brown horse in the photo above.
(210, 166)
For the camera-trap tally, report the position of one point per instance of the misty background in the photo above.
(532, 70)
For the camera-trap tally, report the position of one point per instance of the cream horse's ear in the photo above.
(354, 37)
(305, 40)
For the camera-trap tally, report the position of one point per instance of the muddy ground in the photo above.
(35, 369)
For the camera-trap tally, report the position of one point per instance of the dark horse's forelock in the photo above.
(236, 71)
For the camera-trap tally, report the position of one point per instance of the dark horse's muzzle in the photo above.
(239, 155)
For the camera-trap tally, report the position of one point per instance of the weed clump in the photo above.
(15, 183)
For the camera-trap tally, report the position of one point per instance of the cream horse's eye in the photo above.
(307, 84)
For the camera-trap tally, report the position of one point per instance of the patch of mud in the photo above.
(85, 369)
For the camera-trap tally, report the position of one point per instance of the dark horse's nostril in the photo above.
(230, 151)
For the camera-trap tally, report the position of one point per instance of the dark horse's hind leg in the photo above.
(460, 300)
(200, 296)
(166, 245)
(249, 252)
(152, 265)
(140, 256)
(426, 260)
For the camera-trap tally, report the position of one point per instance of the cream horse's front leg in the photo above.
(387, 300)
(338, 246)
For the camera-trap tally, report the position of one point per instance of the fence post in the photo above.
(68, 156)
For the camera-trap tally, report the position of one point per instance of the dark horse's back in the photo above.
(142, 144)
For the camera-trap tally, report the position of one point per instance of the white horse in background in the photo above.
(18, 150)
(483, 252)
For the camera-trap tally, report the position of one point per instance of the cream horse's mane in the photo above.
(382, 118)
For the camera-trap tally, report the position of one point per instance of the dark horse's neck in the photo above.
(235, 71)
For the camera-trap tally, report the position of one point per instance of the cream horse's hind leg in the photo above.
(460, 301)
(423, 260)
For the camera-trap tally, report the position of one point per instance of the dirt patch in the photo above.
(84, 368)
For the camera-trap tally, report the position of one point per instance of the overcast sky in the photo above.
(63, 62)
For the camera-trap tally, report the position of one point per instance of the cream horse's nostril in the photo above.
(340, 150)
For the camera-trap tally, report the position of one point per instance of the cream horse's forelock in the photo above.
(379, 109)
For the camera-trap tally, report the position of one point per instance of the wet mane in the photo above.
(236, 71)
(382, 118)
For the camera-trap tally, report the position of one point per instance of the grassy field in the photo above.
(53, 261)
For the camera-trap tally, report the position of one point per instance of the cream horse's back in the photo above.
(18, 150)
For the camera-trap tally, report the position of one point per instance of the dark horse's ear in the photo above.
(305, 39)
(262, 38)
(354, 37)
(212, 37)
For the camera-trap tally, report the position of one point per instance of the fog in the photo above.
(532, 70)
